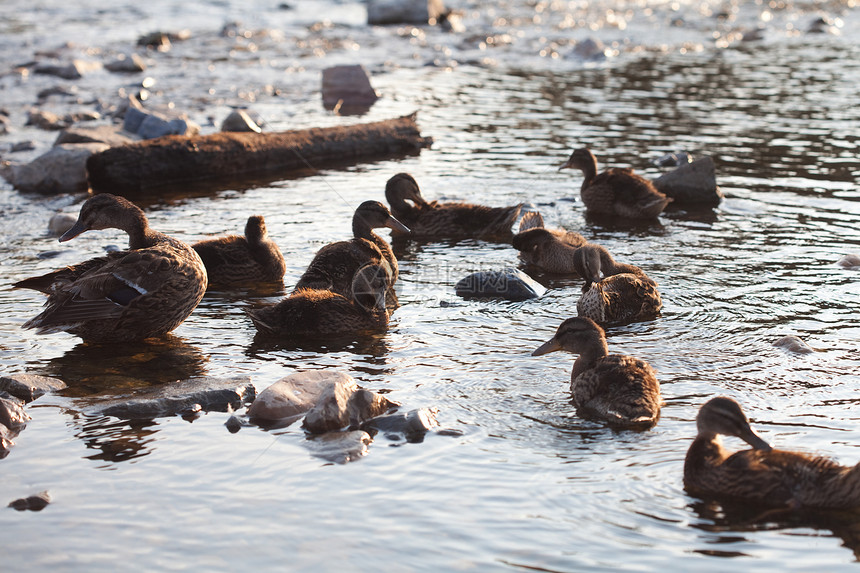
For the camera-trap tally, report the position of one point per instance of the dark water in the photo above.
(527, 484)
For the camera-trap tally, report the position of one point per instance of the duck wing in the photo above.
(334, 265)
(621, 390)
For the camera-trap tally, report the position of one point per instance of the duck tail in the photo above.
(531, 219)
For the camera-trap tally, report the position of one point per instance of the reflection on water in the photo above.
(115, 440)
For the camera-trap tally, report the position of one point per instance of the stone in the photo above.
(4, 124)
(510, 283)
(156, 40)
(12, 414)
(410, 426)
(292, 396)
(347, 88)
(239, 120)
(73, 71)
(126, 63)
(108, 134)
(794, 344)
(149, 125)
(22, 146)
(211, 394)
(691, 184)
(6, 443)
(28, 387)
(340, 447)
(850, 261)
(61, 170)
(590, 49)
(45, 120)
(382, 12)
(36, 502)
(344, 405)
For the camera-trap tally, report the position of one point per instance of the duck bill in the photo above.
(565, 165)
(76, 230)
(551, 345)
(379, 299)
(755, 440)
(396, 225)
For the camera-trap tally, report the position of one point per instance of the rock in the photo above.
(61, 91)
(36, 502)
(794, 344)
(673, 159)
(292, 396)
(381, 12)
(340, 447)
(79, 116)
(73, 71)
(691, 184)
(218, 394)
(108, 134)
(347, 88)
(850, 261)
(28, 387)
(156, 40)
(60, 170)
(126, 63)
(509, 283)
(22, 146)
(149, 125)
(410, 426)
(4, 124)
(12, 414)
(6, 443)
(45, 120)
(590, 49)
(239, 120)
(343, 404)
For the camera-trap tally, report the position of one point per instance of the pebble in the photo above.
(36, 502)
(510, 283)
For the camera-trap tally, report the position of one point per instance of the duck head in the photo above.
(724, 416)
(403, 187)
(588, 260)
(255, 228)
(374, 215)
(579, 335)
(106, 211)
(531, 240)
(369, 285)
(581, 159)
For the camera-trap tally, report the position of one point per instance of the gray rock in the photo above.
(4, 124)
(12, 414)
(61, 170)
(290, 397)
(509, 283)
(45, 120)
(59, 223)
(794, 344)
(410, 426)
(343, 404)
(22, 146)
(239, 120)
(339, 447)
(850, 261)
(108, 134)
(149, 125)
(691, 184)
(73, 71)
(382, 12)
(218, 394)
(28, 387)
(36, 502)
(347, 88)
(157, 40)
(6, 443)
(590, 49)
(126, 63)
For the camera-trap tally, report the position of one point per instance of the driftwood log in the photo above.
(174, 159)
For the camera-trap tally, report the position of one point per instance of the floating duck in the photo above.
(621, 390)
(144, 292)
(552, 250)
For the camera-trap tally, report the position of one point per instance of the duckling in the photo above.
(621, 390)
(321, 313)
(762, 475)
(614, 293)
(334, 265)
(451, 220)
(616, 191)
(235, 260)
(552, 250)
(144, 292)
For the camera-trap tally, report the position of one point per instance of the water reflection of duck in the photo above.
(762, 475)
(318, 312)
(614, 293)
(335, 265)
(144, 292)
(616, 191)
(619, 389)
(235, 260)
(449, 220)
(552, 250)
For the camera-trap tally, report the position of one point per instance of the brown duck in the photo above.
(234, 260)
(144, 292)
(614, 293)
(321, 313)
(334, 265)
(615, 192)
(762, 475)
(449, 220)
(552, 250)
(621, 390)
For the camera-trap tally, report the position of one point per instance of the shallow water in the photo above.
(526, 484)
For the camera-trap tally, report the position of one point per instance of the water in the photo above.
(527, 484)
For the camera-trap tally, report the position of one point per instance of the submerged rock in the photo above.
(28, 387)
(149, 125)
(510, 283)
(342, 405)
(108, 134)
(850, 261)
(63, 169)
(72, 71)
(794, 344)
(347, 89)
(381, 12)
(410, 426)
(691, 184)
(339, 447)
(36, 502)
(12, 414)
(126, 63)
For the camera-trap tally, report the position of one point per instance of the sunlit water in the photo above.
(526, 484)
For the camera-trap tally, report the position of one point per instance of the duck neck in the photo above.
(589, 357)
(589, 170)
(398, 204)
(140, 234)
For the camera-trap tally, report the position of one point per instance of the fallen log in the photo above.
(175, 159)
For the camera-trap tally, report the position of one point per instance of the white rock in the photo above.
(295, 394)
(63, 169)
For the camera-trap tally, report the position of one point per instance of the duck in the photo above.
(334, 265)
(235, 260)
(614, 293)
(618, 389)
(551, 250)
(448, 220)
(616, 192)
(763, 475)
(144, 292)
(321, 312)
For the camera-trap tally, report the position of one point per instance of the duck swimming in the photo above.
(131, 295)
(450, 220)
(614, 293)
(320, 313)
(621, 390)
(552, 250)
(616, 191)
(236, 261)
(762, 475)
(335, 265)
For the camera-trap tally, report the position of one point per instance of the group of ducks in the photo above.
(148, 290)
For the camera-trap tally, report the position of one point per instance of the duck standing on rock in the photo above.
(143, 292)
(450, 220)
(552, 250)
(762, 475)
(234, 260)
(335, 265)
(618, 389)
(614, 293)
(616, 192)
